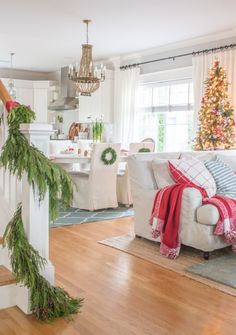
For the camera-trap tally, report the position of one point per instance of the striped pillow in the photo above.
(224, 177)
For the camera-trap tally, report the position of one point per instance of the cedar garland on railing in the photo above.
(19, 156)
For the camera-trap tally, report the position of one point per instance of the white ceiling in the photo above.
(47, 34)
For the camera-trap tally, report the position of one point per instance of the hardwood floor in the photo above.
(124, 295)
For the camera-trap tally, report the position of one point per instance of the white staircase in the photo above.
(7, 285)
(35, 218)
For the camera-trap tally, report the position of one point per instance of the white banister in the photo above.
(36, 215)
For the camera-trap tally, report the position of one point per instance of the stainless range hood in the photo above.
(67, 99)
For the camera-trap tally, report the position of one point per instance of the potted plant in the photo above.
(97, 130)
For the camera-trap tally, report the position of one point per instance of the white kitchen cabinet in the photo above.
(25, 96)
(35, 94)
(24, 91)
(42, 99)
(90, 106)
(41, 104)
(100, 102)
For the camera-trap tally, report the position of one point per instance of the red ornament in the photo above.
(10, 105)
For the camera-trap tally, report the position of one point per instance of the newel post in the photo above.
(35, 214)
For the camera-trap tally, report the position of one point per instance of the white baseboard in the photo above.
(8, 296)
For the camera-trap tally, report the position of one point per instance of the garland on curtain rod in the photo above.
(19, 156)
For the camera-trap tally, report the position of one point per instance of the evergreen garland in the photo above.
(47, 302)
(18, 156)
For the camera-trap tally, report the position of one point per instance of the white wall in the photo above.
(189, 46)
(167, 75)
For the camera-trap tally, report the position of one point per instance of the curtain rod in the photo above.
(194, 53)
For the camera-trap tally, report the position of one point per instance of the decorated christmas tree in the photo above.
(216, 116)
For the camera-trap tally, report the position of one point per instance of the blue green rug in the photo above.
(221, 269)
(78, 216)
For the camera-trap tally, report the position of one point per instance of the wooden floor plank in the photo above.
(124, 295)
(6, 277)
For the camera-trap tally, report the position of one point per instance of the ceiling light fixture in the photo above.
(86, 79)
(11, 84)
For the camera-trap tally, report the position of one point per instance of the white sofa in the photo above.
(197, 222)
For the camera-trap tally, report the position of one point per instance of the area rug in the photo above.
(221, 269)
(78, 216)
(190, 263)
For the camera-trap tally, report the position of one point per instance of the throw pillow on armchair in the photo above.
(193, 170)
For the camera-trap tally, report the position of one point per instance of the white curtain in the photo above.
(125, 118)
(201, 67)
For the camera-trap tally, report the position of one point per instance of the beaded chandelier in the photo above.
(86, 79)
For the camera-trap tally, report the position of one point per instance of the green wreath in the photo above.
(105, 156)
(144, 150)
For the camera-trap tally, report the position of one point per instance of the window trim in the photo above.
(168, 84)
(167, 108)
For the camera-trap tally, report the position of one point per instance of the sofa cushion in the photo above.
(203, 156)
(208, 215)
(141, 173)
(224, 177)
(193, 170)
(161, 173)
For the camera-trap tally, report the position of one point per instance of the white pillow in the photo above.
(195, 171)
(161, 173)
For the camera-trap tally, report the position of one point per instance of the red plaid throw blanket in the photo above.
(165, 217)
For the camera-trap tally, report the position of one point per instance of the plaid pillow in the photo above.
(194, 171)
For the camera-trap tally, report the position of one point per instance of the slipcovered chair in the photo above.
(123, 184)
(134, 148)
(96, 188)
(149, 139)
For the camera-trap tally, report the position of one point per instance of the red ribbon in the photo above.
(10, 105)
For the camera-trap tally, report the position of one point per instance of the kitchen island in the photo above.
(60, 146)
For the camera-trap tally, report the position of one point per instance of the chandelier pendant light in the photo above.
(86, 79)
(11, 84)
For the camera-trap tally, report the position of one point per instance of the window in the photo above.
(165, 113)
